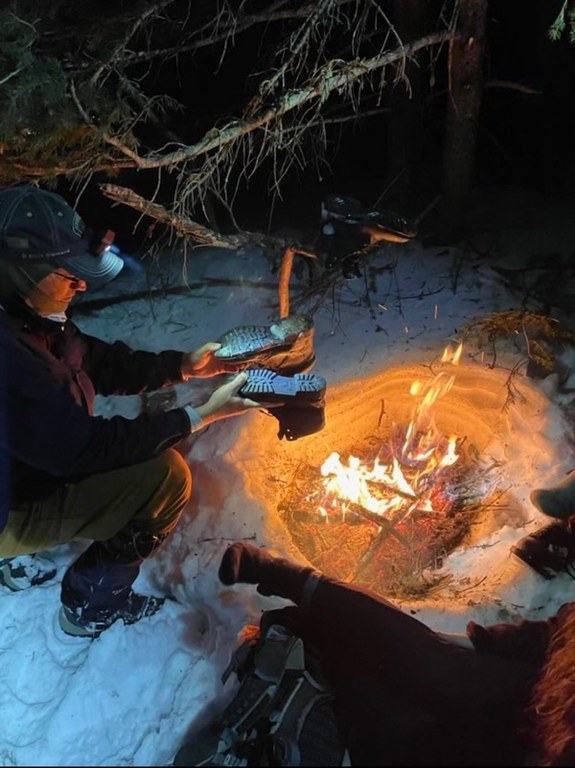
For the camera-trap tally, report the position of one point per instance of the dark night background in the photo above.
(523, 139)
(134, 696)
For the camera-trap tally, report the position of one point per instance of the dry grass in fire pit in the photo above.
(400, 558)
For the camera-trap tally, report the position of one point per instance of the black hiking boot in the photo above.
(557, 501)
(298, 422)
(550, 550)
(299, 391)
(25, 571)
(286, 346)
(349, 210)
(73, 622)
(298, 401)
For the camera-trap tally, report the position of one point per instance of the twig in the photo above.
(285, 274)
(428, 208)
(136, 26)
(381, 412)
(10, 75)
(477, 583)
(134, 57)
(253, 537)
(85, 306)
(85, 116)
(512, 86)
(283, 286)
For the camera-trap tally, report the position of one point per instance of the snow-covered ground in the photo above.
(132, 696)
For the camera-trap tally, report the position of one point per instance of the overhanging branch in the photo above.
(326, 82)
(184, 226)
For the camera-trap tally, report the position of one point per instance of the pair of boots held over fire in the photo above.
(277, 359)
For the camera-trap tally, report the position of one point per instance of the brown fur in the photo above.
(552, 711)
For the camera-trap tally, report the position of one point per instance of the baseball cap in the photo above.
(40, 226)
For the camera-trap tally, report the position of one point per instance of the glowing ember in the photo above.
(410, 477)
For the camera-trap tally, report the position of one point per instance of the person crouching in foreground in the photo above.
(409, 695)
(71, 474)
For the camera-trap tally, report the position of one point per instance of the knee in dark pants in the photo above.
(178, 477)
(171, 480)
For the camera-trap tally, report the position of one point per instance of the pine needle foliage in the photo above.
(565, 21)
(95, 86)
(538, 335)
(32, 89)
(44, 130)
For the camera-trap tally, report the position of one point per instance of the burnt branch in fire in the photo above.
(399, 553)
(386, 531)
(381, 484)
(382, 522)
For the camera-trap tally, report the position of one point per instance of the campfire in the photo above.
(414, 462)
(412, 469)
(388, 514)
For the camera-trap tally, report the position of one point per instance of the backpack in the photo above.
(282, 715)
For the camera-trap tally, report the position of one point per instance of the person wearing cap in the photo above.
(65, 473)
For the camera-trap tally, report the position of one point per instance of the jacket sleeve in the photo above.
(115, 369)
(49, 431)
(527, 640)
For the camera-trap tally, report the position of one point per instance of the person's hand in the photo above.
(203, 364)
(225, 401)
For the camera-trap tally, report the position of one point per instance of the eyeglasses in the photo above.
(75, 282)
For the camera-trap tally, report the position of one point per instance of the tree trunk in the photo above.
(466, 55)
(405, 124)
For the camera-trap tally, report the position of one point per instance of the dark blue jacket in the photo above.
(48, 380)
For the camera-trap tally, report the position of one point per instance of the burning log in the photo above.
(381, 484)
(384, 533)
(384, 524)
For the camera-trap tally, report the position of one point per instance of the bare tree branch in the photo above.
(327, 82)
(185, 227)
(138, 24)
(247, 22)
(513, 86)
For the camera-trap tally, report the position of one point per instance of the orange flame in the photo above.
(407, 482)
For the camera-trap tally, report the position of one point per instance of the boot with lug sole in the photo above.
(297, 402)
(78, 623)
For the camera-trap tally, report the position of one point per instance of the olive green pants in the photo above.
(150, 495)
